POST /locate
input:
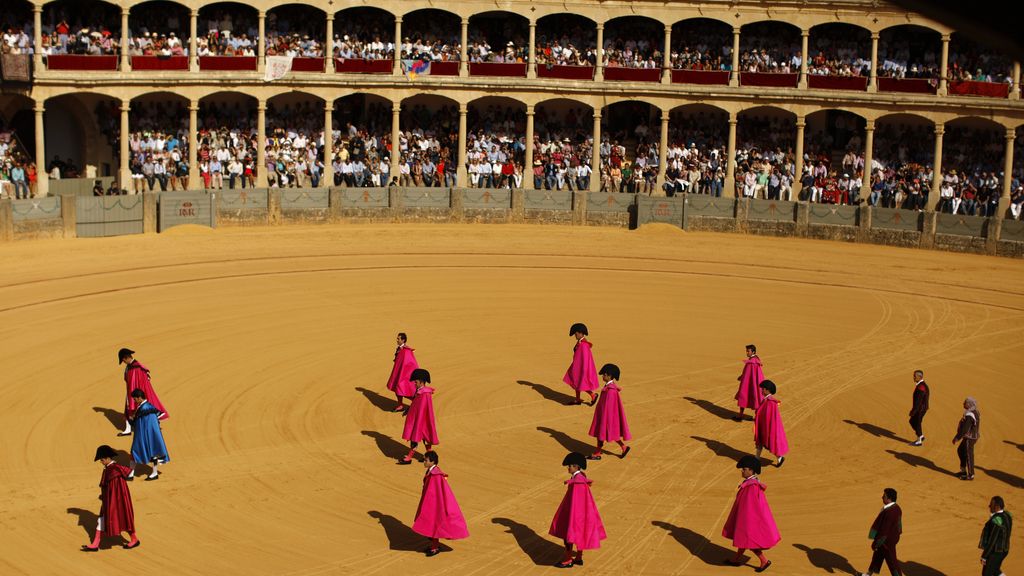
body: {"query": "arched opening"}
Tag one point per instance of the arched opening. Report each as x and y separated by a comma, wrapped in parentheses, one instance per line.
(16, 22)
(909, 51)
(362, 140)
(904, 147)
(158, 142)
(498, 37)
(839, 49)
(81, 135)
(294, 143)
(834, 149)
(772, 47)
(432, 34)
(630, 132)
(972, 164)
(1017, 182)
(701, 44)
(496, 136)
(429, 132)
(295, 30)
(765, 148)
(364, 33)
(698, 136)
(563, 137)
(227, 29)
(970, 60)
(566, 40)
(17, 146)
(634, 42)
(86, 27)
(227, 131)
(158, 28)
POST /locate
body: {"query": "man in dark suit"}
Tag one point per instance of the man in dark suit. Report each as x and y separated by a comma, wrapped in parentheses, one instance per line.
(920, 407)
(885, 534)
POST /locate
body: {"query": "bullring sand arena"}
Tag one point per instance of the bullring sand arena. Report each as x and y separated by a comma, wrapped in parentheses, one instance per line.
(271, 349)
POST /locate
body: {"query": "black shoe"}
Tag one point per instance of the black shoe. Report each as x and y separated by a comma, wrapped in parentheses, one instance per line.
(404, 462)
(90, 549)
(130, 546)
(782, 459)
(733, 562)
(738, 418)
(625, 451)
(763, 568)
(130, 479)
(565, 564)
(432, 552)
(577, 561)
(152, 478)
(594, 457)
(124, 433)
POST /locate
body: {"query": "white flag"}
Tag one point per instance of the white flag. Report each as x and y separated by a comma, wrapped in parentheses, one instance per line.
(277, 67)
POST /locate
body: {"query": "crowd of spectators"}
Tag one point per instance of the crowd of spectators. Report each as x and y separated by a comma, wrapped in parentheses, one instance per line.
(496, 40)
(495, 149)
(566, 41)
(17, 171)
(618, 172)
(908, 53)
(771, 47)
(969, 60)
(634, 44)
(16, 37)
(367, 35)
(362, 147)
(427, 146)
(765, 161)
(435, 39)
(158, 146)
(295, 31)
(562, 149)
(227, 33)
(835, 54)
(701, 45)
(696, 155)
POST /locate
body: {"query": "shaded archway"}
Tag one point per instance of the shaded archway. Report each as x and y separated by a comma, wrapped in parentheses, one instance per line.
(364, 33)
(973, 150)
(698, 137)
(566, 39)
(634, 42)
(496, 134)
(294, 140)
(765, 145)
(902, 162)
(836, 138)
(81, 135)
(90, 27)
(909, 51)
(226, 131)
(630, 134)
(16, 18)
(158, 135)
(362, 140)
(770, 46)
(701, 44)
(158, 28)
(973, 60)
(297, 30)
(498, 37)
(563, 138)
(429, 126)
(433, 34)
(227, 29)
(17, 128)
(839, 49)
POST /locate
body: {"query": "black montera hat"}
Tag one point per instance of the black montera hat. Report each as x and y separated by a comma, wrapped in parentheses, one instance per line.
(578, 327)
(105, 452)
(421, 375)
(750, 461)
(122, 353)
(575, 458)
(768, 385)
(611, 370)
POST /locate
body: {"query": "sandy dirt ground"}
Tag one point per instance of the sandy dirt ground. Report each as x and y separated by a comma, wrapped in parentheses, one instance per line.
(271, 348)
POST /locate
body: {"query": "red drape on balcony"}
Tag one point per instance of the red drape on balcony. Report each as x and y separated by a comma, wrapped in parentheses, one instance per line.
(720, 77)
(307, 64)
(227, 63)
(358, 65)
(496, 69)
(565, 72)
(972, 88)
(159, 62)
(859, 83)
(913, 85)
(81, 62)
(444, 68)
(769, 79)
(618, 73)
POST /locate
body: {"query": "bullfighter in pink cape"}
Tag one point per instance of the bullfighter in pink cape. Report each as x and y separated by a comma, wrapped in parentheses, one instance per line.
(582, 373)
(136, 377)
(609, 424)
(405, 363)
(576, 521)
(768, 430)
(748, 395)
(438, 514)
(419, 419)
(750, 524)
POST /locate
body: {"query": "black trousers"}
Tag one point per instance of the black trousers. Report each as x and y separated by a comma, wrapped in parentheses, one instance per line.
(915, 423)
(994, 564)
(887, 553)
(966, 453)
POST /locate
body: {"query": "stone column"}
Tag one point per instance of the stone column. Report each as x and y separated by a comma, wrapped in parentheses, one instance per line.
(193, 57)
(531, 68)
(1015, 92)
(595, 160)
(933, 196)
(194, 180)
(528, 162)
(873, 79)
(1004, 196)
(944, 66)
(42, 176)
(666, 61)
(460, 173)
(261, 43)
(397, 68)
(804, 36)
(261, 144)
(126, 65)
(734, 78)
(869, 157)
(328, 172)
(730, 157)
(329, 44)
(396, 151)
(124, 161)
(798, 168)
(599, 71)
(37, 37)
(464, 50)
(662, 154)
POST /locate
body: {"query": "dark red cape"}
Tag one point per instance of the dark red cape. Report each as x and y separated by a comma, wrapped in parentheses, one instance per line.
(116, 510)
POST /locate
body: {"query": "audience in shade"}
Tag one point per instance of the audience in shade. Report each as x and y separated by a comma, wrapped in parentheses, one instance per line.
(909, 52)
(835, 55)
(435, 39)
(701, 45)
(696, 155)
(562, 149)
(566, 41)
(771, 47)
(633, 45)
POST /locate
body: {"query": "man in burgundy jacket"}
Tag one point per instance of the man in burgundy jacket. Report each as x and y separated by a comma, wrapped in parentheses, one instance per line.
(885, 534)
(920, 407)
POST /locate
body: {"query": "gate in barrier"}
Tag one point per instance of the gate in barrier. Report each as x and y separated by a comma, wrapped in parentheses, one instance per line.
(177, 208)
(98, 216)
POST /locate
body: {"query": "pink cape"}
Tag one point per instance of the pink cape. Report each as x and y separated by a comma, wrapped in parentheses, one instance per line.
(576, 520)
(582, 374)
(750, 524)
(609, 423)
(419, 420)
(749, 395)
(438, 515)
(768, 430)
(405, 363)
(136, 377)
